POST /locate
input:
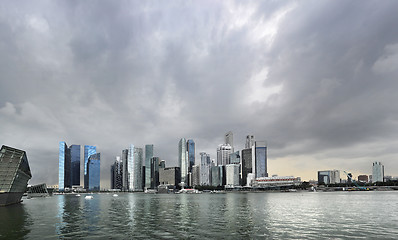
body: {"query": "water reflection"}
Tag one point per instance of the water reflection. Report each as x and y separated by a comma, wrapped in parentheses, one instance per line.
(14, 222)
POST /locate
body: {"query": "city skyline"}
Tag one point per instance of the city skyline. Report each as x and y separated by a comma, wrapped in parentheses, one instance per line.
(316, 80)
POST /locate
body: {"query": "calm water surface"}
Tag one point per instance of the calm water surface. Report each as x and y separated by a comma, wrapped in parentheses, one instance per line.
(301, 215)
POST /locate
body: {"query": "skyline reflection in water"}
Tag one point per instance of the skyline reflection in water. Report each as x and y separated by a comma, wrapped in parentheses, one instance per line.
(180, 216)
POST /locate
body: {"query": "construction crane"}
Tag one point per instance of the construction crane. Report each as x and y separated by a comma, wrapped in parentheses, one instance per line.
(355, 182)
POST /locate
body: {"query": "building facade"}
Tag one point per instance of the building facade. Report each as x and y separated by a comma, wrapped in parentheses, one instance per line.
(134, 168)
(223, 152)
(229, 139)
(117, 174)
(232, 175)
(170, 176)
(329, 177)
(75, 164)
(154, 175)
(64, 167)
(88, 151)
(93, 172)
(377, 172)
(205, 173)
(148, 170)
(246, 158)
(249, 141)
(125, 177)
(260, 159)
(191, 154)
(195, 175)
(183, 160)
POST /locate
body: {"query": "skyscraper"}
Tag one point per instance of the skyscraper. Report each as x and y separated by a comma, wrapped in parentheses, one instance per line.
(229, 139)
(191, 154)
(223, 152)
(88, 151)
(75, 164)
(93, 172)
(378, 172)
(64, 168)
(205, 164)
(148, 170)
(154, 175)
(246, 164)
(260, 159)
(195, 175)
(232, 175)
(135, 159)
(117, 174)
(125, 177)
(183, 160)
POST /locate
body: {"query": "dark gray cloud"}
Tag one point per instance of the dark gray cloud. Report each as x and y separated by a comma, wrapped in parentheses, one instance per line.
(317, 80)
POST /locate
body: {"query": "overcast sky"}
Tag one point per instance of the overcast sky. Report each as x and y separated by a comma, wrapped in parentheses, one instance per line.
(316, 79)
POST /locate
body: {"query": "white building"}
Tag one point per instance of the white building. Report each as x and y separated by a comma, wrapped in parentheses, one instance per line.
(232, 175)
(223, 152)
(183, 160)
(277, 181)
(135, 168)
(378, 172)
(205, 165)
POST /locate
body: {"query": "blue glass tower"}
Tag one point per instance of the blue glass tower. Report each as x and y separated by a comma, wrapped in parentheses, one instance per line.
(88, 151)
(148, 169)
(64, 167)
(191, 154)
(93, 172)
(75, 164)
(261, 159)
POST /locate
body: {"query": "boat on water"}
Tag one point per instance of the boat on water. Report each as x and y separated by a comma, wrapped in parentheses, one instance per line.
(88, 197)
(14, 175)
(115, 195)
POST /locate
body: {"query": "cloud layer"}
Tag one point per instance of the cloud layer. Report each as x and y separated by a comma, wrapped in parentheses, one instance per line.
(317, 80)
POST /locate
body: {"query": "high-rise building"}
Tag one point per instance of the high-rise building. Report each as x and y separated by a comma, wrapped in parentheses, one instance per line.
(260, 159)
(88, 151)
(154, 175)
(217, 176)
(229, 139)
(249, 141)
(329, 177)
(223, 152)
(191, 154)
(148, 170)
(75, 164)
(134, 168)
(125, 177)
(378, 172)
(234, 158)
(93, 172)
(232, 175)
(162, 164)
(205, 164)
(64, 169)
(195, 175)
(247, 166)
(117, 174)
(183, 160)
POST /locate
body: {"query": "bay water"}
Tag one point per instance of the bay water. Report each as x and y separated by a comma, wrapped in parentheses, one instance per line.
(266, 215)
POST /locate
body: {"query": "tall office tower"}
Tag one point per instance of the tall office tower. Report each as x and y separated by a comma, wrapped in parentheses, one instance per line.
(234, 158)
(223, 152)
(154, 175)
(232, 175)
(246, 164)
(378, 172)
(125, 177)
(205, 165)
(93, 172)
(195, 175)
(170, 176)
(249, 141)
(261, 159)
(148, 170)
(64, 169)
(75, 164)
(229, 139)
(217, 176)
(137, 170)
(117, 174)
(191, 154)
(88, 151)
(183, 160)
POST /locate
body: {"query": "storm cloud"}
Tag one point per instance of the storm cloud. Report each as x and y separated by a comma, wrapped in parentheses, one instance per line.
(316, 79)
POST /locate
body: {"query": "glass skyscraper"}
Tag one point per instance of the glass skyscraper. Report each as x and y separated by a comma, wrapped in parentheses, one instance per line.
(148, 170)
(183, 160)
(88, 151)
(191, 154)
(93, 172)
(75, 164)
(261, 159)
(64, 167)
(205, 165)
